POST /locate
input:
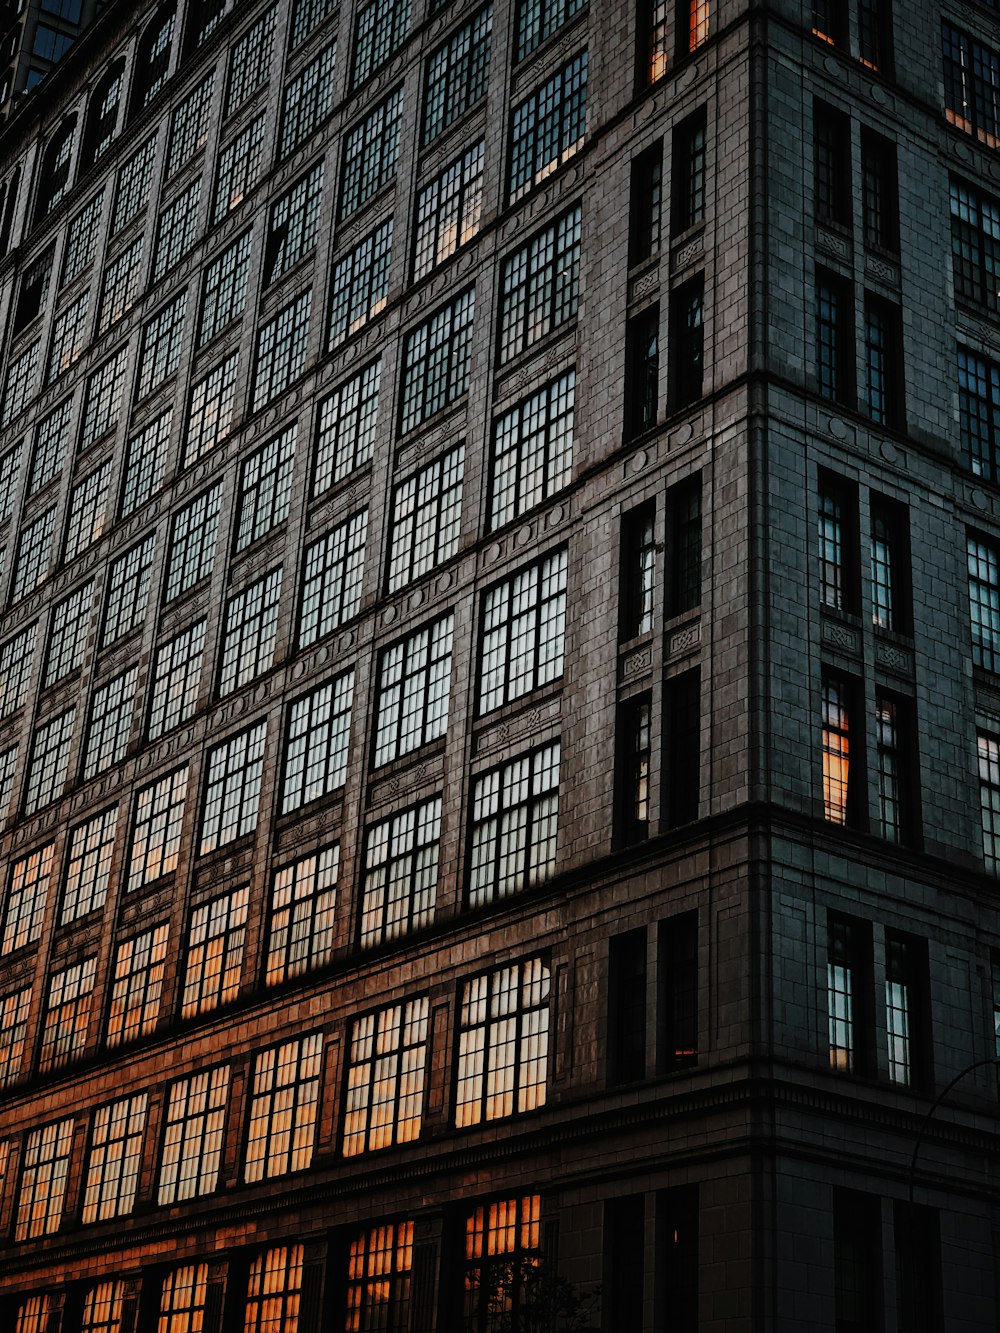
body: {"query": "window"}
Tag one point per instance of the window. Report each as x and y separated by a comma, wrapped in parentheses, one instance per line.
(81, 239)
(634, 755)
(54, 172)
(87, 511)
(848, 959)
(890, 561)
(103, 398)
(857, 1245)
(160, 352)
(88, 870)
(250, 63)
(224, 296)
(692, 26)
(43, 1180)
(457, 74)
(687, 340)
(332, 578)
(128, 591)
(524, 626)
(8, 770)
(624, 1235)
(34, 551)
(33, 290)
(537, 20)
(436, 360)
(240, 166)
(69, 338)
(360, 283)
(294, 224)
(120, 285)
(385, 1077)
(834, 340)
(653, 56)
(16, 657)
(319, 733)
(215, 953)
(979, 414)
(548, 127)
(251, 628)
(192, 543)
(133, 189)
(677, 992)
(681, 774)
(49, 765)
(637, 571)
(833, 195)
(378, 31)
(683, 521)
(503, 1043)
(29, 887)
(68, 635)
(136, 986)
(152, 58)
(114, 1160)
(539, 287)
(32, 1313)
(146, 462)
(975, 247)
(626, 1040)
(893, 730)
(371, 151)
(190, 125)
(533, 450)
(829, 21)
(426, 519)
(232, 791)
(346, 433)
(308, 101)
(212, 409)
(449, 208)
(156, 838)
(284, 1109)
(515, 816)
(265, 489)
(837, 543)
(984, 602)
(642, 372)
(880, 193)
(203, 22)
(281, 350)
(67, 1014)
(989, 795)
(184, 1300)
(110, 723)
(841, 796)
(971, 80)
(14, 1010)
(176, 230)
(274, 1289)
(379, 1269)
(192, 1145)
(303, 903)
(414, 681)
(883, 366)
(21, 383)
(9, 469)
(401, 870)
(646, 203)
(501, 1253)
(677, 1256)
(307, 15)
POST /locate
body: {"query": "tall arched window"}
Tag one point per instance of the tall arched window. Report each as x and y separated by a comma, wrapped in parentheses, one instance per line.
(102, 113)
(53, 177)
(152, 61)
(203, 18)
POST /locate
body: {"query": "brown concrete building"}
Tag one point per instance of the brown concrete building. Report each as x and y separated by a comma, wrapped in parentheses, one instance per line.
(500, 668)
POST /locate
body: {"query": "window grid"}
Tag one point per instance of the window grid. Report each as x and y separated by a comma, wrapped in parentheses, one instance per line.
(21, 383)
(103, 398)
(524, 626)
(68, 637)
(449, 209)
(284, 1109)
(307, 102)
(360, 283)
(120, 285)
(67, 1015)
(332, 578)
(841, 982)
(979, 414)
(274, 1291)
(16, 656)
(103, 1307)
(115, 1159)
(146, 462)
(371, 151)
(14, 1010)
(281, 350)
(88, 870)
(26, 897)
(989, 799)
(503, 1043)
(319, 733)
(161, 346)
(69, 338)
(533, 450)
(9, 468)
(232, 791)
(190, 126)
(457, 74)
(250, 632)
(49, 766)
(540, 286)
(251, 61)
(192, 543)
(385, 1077)
(887, 735)
(133, 189)
(975, 245)
(88, 511)
(984, 602)
(379, 1270)
(176, 678)
(436, 360)
(971, 83)
(345, 436)
(128, 591)
(548, 126)
(241, 164)
(265, 489)
(515, 816)
(401, 871)
(537, 20)
(215, 953)
(43, 1180)
(307, 15)
(898, 1002)
(192, 1146)
(183, 1300)
(212, 409)
(414, 683)
(379, 30)
(303, 904)
(836, 752)
(176, 230)
(110, 723)
(33, 1312)
(81, 239)
(156, 837)
(294, 224)
(225, 293)
(136, 986)
(501, 1250)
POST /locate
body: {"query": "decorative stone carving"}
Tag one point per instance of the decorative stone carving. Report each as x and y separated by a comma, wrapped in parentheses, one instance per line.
(685, 639)
(842, 637)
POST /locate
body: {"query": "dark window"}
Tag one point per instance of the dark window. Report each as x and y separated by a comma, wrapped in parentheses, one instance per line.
(448, 210)
(203, 19)
(646, 203)
(380, 28)
(975, 245)
(837, 536)
(642, 371)
(832, 165)
(829, 21)
(33, 290)
(875, 35)
(548, 126)
(848, 1001)
(879, 192)
(371, 153)
(102, 112)
(624, 1247)
(884, 363)
(677, 993)
(687, 177)
(637, 571)
(307, 15)
(971, 86)
(682, 747)
(307, 102)
(834, 337)
(540, 285)
(857, 1245)
(626, 1043)
(436, 360)
(152, 58)
(251, 60)
(896, 752)
(918, 1268)
(842, 752)
(633, 756)
(687, 342)
(677, 1247)
(890, 565)
(907, 1013)
(995, 995)
(683, 590)
(53, 177)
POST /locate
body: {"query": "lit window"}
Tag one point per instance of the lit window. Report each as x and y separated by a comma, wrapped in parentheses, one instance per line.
(654, 40)
(294, 224)
(515, 816)
(274, 1292)
(34, 554)
(184, 1299)
(449, 209)
(385, 1077)
(176, 678)
(110, 723)
(44, 1174)
(539, 287)
(426, 518)
(501, 1252)
(371, 152)
(88, 505)
(136, 986)
(192, 1145)
(103, 1308)
(319, 733)
(190, 125)
(251, 627)
(457, 74)
(281, 350)
(524, 626)
(331, 579)
(160, 349)
(114, 1160)
(240, 166)
(212, 409)
(346, 434)
(32, 1313)
(176, 230)
(836, 752)
(436, 360)
(303, 904)
(156, 840)
(251, 63)
(128, 591)
(232, 791)
(265, 489)
(88, 870)
(49, 765)
(400, 874)
(67, 1014)
(379, 1279)
(532, 450)
(413, 687)
(133, 190)
(192, 543)
(379, 29)
(503, 1043)
(307, 101)
(284, 1109)
(14, 1010)
(16, 656)
(360, 284)
(224, 296)
(548, 126)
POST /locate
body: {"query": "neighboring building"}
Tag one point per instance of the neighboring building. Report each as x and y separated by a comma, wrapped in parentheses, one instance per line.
(500, 668)
(34, 36)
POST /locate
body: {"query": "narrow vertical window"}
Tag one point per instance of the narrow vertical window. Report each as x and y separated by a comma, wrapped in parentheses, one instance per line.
(837, 543)
(883, 363)
(682, 747)
(839, 782)
(984, 602)
(677, 1255)
(687, 342)
(920, 1306)
(829, 21)
(989, 799)
(687, 176)
(692, 26)
(646, 203)
(379, 1270)
(834, 340)
(857, 1245)
(899, 1007)
(879, 192)
(995, 995)
(642, 371)
(847, 953)
(626, 1042)
(501, 1253)
(683, 591)
(637, 571)
(653, 49)
(624, 1255)
(832, 195)
(634, 764)
(897, 775)
(890, 561)
(677, 993)
(875, 35)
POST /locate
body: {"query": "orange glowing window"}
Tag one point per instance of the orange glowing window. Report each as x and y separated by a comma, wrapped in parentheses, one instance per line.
(501, 1249)
(379, 1279)
(836, 752)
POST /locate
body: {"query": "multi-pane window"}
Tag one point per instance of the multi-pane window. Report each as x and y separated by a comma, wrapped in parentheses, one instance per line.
(975, 245)
(14, 1009)
(184, 1300)
(146, 462)
(192, 543)
(22, 380)
(33, 290)
(265, 489)
(687, 193)
(120, 285)
(646, 204)
(331, 579)
(449, 210)
(250, 63)
(426, 518)
(190, 126)
(8, 771)
(829, 21)
(880, 192)
(215, 953)
(548, 127)
(524, 626)
(240, 165)
(156, 838)
(294, 224)
(128, 591)
(883, 371)
(68, 636)
(307, 102)
(232, 792)
(379, 1269)
(832, 196)
(49, 765)
(692, 25)
(436, 360)
(501, 1252)
(153, 58)
(414, 683)
(133, 190)
(160, 350)
(634, 754)
(401, 871)
(537, 20)
(136, 986)
(834, 343)
(88, 504)
(971, 85)
(687, 342)
(899, 1006)
(69, 337)
(371, 152)
(281, 350)
(213, 407)
(67, 1014)
(319, 732)
(114, 1159)
(979, 414)
(539, 289)
(81, 239)
(274, 1290)
(88, 870)
(345, 436)
(457, 74)
(33, 1312)
(385, 1077)
(379, 30)
(103, 1308)
(176, 230)
(284, 1108)
(889, 547)
(307, 15)
(251, 628)
(103, 398)
(532, 450)
(890, 724)
(515, 817)
(303, 903)
(503, 1043)
(836, 732)
(360, 284)
(844, 992)
(10, 464)
(110, 723)
(984, 602)
(225, 293)
(989, 798)
(16, 656)
(44, 1175)
(193, 1141)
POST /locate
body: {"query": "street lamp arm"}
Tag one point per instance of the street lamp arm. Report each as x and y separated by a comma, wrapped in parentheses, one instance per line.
(976, 1064)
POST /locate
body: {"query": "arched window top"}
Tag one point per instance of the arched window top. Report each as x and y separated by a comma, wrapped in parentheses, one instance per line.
(152, 61)
(204, 16)
(54, 175)
(103, 111)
